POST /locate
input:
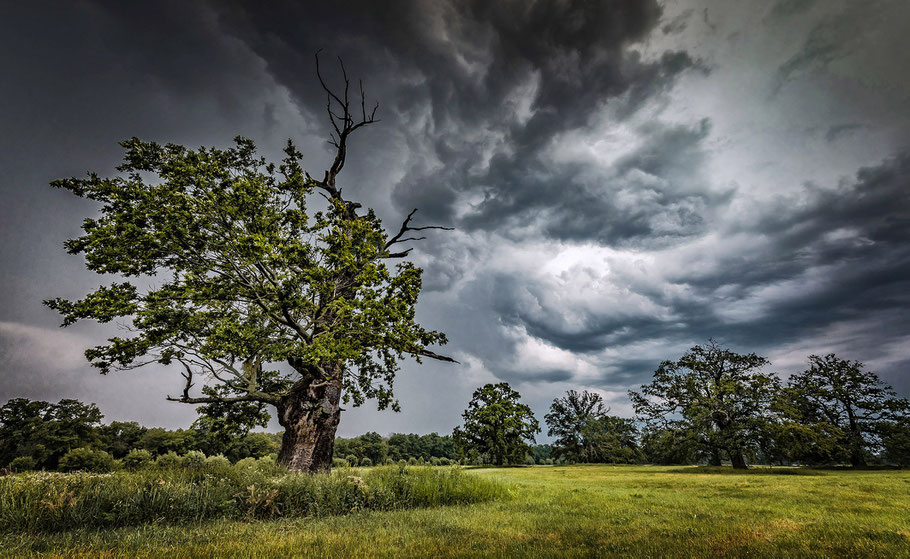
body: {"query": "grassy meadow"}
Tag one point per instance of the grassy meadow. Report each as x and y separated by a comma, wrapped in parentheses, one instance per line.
(570, 511)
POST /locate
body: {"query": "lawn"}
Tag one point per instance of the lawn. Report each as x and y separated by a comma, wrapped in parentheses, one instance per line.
(642, 511)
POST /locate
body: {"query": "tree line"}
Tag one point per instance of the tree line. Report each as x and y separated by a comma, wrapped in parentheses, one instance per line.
(709, 406)
(69, 434)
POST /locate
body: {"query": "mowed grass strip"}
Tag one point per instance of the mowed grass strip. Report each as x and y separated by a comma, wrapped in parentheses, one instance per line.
(575, 511)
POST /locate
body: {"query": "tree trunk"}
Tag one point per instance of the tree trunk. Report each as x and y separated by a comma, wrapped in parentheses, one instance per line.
(739, 463)
(310, 418)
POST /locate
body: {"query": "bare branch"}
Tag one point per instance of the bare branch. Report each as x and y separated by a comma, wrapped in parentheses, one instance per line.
(406, 226)
(431, 355)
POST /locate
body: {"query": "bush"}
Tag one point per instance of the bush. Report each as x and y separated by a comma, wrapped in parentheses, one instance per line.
(23, 464)
(169, 460)
(53, 501)
(217, 461)
(194, 459)
(339, 463)
(444, 462)
(366, 462)
(137, 458)
(412, 461)
(87, 460)
(351, 459)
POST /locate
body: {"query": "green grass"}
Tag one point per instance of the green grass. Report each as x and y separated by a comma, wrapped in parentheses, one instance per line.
(577, 511)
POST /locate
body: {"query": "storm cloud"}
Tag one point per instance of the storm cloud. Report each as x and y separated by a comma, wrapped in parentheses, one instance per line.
(626, 178)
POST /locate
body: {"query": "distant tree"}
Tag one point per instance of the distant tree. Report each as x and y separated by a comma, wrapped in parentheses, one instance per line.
(614, 440)
(271, 302)
(857, 402)
(46, 431)
(896, 442)
(586, 433)
(542, 453)
(497, 425)
(120, 437)
(571, 420)
(720, 398)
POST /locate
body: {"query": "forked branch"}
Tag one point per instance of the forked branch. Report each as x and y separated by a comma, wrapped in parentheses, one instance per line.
(338, 107)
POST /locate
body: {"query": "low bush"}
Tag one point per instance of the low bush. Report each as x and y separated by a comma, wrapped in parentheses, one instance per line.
(23, 464)
(366, 462)
(46, 501)
(339, 463)
(86, 460)
(137, 458)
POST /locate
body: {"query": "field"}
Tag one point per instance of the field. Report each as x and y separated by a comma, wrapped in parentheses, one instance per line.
(572, 511)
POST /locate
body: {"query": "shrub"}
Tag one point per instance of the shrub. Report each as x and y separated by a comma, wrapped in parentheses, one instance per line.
(194, 459)
(351, 459)
(339, 463)
(23, 464)
(444, 461)
(169, 460)
(366, 462)
(137, 458)
(87, 460)
(412, 461)
(217, 461)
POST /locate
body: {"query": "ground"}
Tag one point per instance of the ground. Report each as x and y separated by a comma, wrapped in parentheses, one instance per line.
(572, 511)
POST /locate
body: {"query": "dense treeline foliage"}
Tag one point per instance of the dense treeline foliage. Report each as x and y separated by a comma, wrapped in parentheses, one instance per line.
(69, 435)
(709, 406)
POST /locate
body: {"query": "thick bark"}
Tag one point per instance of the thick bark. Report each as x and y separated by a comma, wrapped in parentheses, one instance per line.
(310, 416)
(739, 463)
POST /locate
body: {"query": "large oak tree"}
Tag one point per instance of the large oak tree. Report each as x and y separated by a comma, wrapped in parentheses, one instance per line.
(717, 397)
(257, 298)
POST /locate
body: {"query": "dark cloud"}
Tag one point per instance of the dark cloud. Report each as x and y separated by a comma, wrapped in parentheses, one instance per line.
(576, 146)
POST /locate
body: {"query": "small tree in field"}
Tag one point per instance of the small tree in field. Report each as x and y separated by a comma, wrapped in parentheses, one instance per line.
(269, 302)
(497, 425)
(718, 397)
(857, 402)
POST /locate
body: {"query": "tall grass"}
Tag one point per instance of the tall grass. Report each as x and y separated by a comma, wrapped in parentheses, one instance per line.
(53, 501)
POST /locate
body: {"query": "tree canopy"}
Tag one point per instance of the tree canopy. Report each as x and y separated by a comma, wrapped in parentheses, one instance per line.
(856, 404)
(497, 426)
(718, 397)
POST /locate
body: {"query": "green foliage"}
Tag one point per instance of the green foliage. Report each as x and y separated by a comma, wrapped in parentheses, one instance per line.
(718, 397)
(340, 463)
(585, 433)
(86, 460)
(169, 461)
(351, 459)
(194, 459)
(896, 440)
(45, 431)
(23, 464)
(137, 458)
(120, 437)
(497, 426)
(252, 277)
(366, 463)
(217, 461)
(839, 393)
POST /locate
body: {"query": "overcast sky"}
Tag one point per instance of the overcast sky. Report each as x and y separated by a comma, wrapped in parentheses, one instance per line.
(626, 178)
